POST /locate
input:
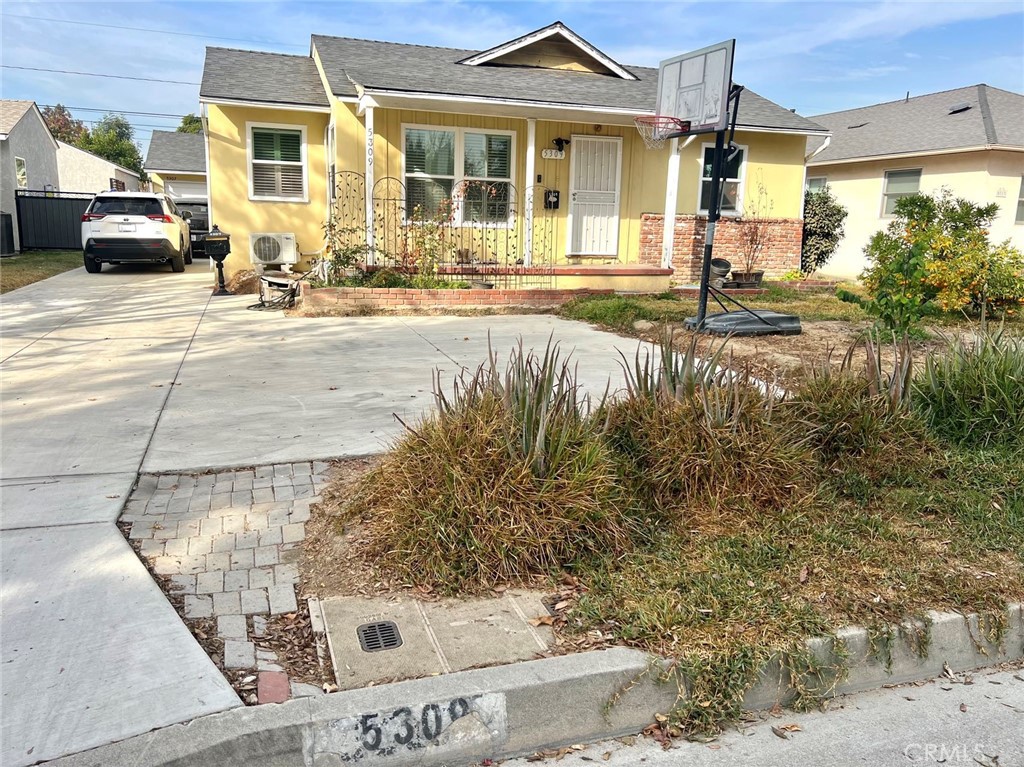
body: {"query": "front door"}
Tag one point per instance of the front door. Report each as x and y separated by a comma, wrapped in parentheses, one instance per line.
(595, 172)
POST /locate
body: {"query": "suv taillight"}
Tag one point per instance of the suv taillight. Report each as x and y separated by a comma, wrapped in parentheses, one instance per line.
(93, 216)
(163, 219)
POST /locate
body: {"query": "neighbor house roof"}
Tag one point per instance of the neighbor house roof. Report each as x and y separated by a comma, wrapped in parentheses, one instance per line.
(352, 65)
(238, 75)
(11, 113)
(181, 152)
(975, 116)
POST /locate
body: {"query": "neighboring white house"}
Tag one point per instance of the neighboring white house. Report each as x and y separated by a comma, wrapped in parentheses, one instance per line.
(969, 140)
(28, 155)
(82, 171)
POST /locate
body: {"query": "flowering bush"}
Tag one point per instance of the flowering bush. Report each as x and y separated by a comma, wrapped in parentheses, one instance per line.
(936, 253)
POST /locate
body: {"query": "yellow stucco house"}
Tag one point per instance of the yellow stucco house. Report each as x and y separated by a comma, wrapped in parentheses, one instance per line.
(526, 153)
(968, 140)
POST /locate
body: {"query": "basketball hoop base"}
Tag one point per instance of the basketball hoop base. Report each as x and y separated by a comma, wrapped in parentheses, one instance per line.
(759, 322)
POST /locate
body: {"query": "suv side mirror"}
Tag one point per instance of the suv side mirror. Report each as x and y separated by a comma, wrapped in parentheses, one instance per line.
(186, 214)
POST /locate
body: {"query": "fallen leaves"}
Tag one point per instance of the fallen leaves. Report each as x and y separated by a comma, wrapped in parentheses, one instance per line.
(784, 730)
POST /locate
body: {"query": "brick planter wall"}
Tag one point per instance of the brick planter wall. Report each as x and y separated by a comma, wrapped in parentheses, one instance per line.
(809, 286)
(688, 245)
(373, 300)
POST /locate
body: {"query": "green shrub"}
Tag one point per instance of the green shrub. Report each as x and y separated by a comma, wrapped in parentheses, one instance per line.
(973, 393)
(509, 478)
(823, 229)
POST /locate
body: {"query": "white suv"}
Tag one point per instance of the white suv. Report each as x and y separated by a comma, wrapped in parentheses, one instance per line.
(136, 227)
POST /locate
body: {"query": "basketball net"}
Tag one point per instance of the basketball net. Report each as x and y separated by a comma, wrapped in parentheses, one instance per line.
(657, 129)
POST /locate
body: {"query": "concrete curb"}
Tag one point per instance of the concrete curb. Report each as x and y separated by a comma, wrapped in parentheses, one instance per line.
(512, 710)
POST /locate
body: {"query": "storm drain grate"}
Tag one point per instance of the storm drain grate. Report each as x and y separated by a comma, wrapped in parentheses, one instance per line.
(383, 635)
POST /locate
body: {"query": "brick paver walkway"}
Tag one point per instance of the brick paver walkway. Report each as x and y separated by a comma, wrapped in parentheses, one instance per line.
(230, 542)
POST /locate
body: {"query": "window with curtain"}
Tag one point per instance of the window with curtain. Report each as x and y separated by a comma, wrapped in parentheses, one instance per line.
(731, 184)
(816, 183)
(899, 183)
(278, 170)
(476, 164)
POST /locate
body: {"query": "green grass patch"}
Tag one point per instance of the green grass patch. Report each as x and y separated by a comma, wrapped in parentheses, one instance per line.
(35, 265)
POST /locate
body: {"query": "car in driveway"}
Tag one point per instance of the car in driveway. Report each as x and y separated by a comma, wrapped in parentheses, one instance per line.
(198, 209)
(137, 228)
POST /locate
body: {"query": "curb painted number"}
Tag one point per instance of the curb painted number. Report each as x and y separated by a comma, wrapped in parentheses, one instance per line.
(375, 736)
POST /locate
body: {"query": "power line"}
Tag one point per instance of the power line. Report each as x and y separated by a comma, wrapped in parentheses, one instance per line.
(110, 111)
(155, 31)
(97, 74)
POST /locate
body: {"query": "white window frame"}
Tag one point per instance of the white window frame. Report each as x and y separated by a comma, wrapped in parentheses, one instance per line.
(740, 181)
(807, 186)
(885, 184)
(1018, 217)
(460, 167)
(24, 165)
(253, 197)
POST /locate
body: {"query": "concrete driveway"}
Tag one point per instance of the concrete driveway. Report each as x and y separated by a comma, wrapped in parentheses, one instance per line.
(104, 376)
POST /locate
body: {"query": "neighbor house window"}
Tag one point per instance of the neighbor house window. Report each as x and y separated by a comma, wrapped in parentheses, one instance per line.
(1020, 203)
(473, 165)
(277, 168)
(733, 184)
(816, 183)
(21, 172)
(899, 183)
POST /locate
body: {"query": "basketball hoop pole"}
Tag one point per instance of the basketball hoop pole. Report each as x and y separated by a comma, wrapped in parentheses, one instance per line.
(715, 206)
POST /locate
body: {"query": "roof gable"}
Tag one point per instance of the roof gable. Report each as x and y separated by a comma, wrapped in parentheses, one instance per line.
(12, 112)
(962, 118)
(174, 151)
(552, 47)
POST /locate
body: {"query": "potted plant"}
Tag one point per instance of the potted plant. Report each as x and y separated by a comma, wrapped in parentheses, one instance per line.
(756, 235)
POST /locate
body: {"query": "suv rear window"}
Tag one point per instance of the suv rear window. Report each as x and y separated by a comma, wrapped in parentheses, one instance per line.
(195, 208)
(129, 206)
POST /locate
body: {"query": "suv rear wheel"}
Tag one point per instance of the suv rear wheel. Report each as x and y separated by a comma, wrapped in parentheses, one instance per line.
(188, 254)
(92, 266)
(178, 259)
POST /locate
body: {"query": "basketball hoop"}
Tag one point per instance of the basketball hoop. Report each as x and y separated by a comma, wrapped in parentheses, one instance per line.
(657, 129)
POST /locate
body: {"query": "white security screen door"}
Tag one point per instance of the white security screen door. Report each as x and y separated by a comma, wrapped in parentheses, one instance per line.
(595, 173)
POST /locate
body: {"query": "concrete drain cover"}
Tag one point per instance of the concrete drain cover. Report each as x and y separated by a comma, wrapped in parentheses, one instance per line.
(382, 635)
(436, 637)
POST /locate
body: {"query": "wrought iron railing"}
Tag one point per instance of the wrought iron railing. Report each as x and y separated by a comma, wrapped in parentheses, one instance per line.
(478, 231)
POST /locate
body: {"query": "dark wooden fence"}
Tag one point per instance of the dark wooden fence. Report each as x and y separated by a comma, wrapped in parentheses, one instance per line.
(50, 220)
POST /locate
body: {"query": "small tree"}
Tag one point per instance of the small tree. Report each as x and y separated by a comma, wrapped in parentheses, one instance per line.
(936, 250)
(190, 123)
(823, 229)
(113, 138)
(63, 126)
(756, 233)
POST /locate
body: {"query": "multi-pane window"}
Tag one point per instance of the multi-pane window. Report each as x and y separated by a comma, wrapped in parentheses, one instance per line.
(816, 183)
(278, 168)
(474, 167)
(899, 183)
(21, 172)
(1020, 203)
(731, 186)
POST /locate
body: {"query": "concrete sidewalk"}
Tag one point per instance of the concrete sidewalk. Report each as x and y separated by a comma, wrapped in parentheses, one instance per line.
(137, 369)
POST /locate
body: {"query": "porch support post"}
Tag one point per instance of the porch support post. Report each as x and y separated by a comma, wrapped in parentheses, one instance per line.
(531, 171)
(668, 235)
(368, 117)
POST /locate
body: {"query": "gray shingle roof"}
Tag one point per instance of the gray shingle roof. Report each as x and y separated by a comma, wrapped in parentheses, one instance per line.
(923, 124)
(181, 152)
(11, 113)
(256, 76)
(423, 69)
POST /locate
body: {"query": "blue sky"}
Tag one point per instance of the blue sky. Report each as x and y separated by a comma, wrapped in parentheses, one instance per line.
(810, 56)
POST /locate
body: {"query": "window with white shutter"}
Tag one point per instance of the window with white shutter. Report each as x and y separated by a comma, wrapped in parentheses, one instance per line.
(278, 164)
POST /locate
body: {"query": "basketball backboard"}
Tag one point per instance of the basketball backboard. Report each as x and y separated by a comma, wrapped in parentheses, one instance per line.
(694, 87)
